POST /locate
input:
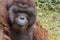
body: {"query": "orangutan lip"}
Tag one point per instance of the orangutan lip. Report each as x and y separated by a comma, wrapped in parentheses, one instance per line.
(19, 25)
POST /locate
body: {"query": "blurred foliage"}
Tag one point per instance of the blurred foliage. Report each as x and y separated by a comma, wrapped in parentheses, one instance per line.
(48, 13)
(48, 4)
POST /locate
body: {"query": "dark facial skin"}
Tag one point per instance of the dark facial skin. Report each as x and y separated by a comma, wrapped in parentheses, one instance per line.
(30, 11)
(22, 19)
(20, 24)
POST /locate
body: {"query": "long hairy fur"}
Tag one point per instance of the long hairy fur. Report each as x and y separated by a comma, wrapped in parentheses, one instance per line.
(39, 32)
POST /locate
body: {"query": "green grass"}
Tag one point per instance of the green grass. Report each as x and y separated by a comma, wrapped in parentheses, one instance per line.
(50, 20)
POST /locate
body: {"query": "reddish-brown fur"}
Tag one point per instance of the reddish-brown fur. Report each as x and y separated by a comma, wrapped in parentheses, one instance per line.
(3, 24)
(39, 32)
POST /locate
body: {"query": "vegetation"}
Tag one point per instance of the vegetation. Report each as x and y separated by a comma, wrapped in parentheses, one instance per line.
(48, 13)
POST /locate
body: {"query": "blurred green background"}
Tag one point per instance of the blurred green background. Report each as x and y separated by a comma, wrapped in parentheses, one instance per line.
(48, 13)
